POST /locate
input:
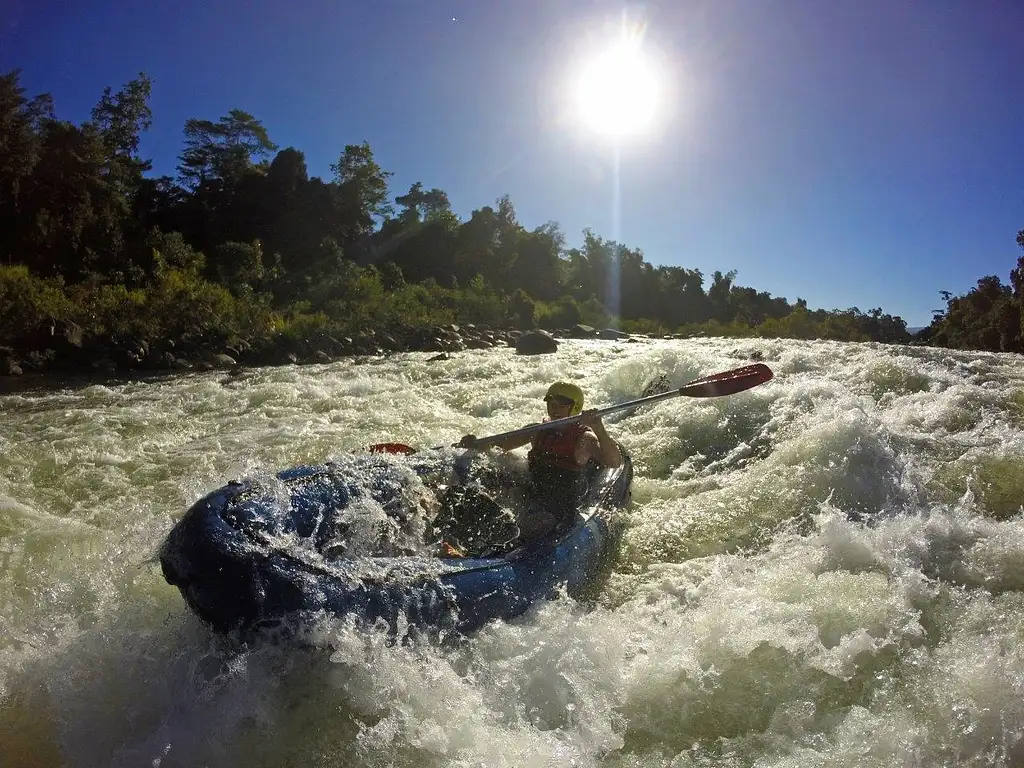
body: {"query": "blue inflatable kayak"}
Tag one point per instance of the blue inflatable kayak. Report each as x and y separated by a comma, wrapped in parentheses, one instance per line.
(259, 554)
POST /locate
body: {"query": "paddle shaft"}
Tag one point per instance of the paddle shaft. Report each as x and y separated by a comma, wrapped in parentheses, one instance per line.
(716, 385)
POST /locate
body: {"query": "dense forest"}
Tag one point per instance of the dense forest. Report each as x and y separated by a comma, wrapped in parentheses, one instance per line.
(243, 250)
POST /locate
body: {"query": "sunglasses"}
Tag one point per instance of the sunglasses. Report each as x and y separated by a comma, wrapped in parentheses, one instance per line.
(559, 400)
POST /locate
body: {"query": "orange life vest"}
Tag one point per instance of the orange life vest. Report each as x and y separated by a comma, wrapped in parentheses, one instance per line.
(556, 478)
(556, 448)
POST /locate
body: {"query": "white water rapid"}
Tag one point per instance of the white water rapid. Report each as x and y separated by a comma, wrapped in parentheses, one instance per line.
(826, 570)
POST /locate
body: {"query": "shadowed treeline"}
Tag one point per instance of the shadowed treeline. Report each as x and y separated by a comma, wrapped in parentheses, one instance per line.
(244, 248)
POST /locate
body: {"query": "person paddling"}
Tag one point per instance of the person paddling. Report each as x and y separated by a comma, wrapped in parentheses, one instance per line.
(557, 460)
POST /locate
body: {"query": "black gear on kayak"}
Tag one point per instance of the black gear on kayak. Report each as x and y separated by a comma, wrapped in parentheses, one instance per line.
(473, 522)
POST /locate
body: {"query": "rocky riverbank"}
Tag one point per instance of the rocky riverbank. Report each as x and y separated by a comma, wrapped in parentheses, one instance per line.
(62, 348)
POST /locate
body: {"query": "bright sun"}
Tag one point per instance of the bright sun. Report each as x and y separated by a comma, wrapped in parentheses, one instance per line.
(618, 92)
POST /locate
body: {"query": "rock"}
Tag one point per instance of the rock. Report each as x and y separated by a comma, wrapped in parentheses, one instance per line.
(238, 349)
(536, 343)
(744, 354)
(39, 361)
(612, 334)
(71, 333)
(390, 343)
(581, 331)
(221, 361)
(433, 345)
(657, 386)
(62, 335)
(9, 367)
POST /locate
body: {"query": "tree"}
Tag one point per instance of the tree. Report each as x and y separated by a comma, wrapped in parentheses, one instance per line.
(121, 117)
(421, 205)
(522, 309)
(536, 268)
(286, 220)
(719, 293)
(679, 297)
(362, 191)
(239, 265)
(1017, 273)
(222, 151)
(476, 245)
(21, 126)
(72, 210)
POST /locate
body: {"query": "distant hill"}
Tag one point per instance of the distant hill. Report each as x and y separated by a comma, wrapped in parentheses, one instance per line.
(916, 329)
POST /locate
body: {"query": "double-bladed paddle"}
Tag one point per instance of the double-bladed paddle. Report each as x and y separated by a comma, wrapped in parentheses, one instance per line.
(715, 385)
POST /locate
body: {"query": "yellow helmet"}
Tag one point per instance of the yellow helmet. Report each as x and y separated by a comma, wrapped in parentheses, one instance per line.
(568, 391)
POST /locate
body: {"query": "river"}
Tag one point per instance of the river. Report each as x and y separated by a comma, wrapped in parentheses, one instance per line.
(825, 570)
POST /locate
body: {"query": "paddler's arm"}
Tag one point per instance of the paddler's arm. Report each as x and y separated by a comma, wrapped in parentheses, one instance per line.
(607, 450)
(508, 444)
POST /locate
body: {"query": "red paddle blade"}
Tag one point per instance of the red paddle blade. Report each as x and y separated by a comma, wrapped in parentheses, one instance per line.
(400, 448)
(728, 382)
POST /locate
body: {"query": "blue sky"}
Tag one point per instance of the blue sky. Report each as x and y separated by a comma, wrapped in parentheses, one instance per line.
(863, 153)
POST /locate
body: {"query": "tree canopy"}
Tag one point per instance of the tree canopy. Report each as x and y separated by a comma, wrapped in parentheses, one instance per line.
(81, 218)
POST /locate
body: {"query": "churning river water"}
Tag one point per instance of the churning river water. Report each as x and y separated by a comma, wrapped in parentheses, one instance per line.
(826, 570)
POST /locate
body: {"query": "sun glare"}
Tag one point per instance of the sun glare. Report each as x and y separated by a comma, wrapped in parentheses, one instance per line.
(618, 91)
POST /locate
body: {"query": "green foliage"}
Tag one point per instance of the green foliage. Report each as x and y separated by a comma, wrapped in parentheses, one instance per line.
(350, 295)
(106, 311)
(301, 324)
(170, 251)
(644, 325)
(521, 309)
(798, 324)
(563, 313)
(27, 302)
(240, 265)
(391, 276)
(186, 307)
(176, 305)
(592, 312)
(477, 303)
(715, 328)
(418, 305)
(986, 317)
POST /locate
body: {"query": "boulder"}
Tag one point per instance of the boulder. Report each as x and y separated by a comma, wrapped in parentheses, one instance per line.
(536, 343)
(581, 331)
(221, 361)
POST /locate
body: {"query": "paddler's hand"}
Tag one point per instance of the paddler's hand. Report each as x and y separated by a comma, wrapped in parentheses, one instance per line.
(591, 418)
(468, 441)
